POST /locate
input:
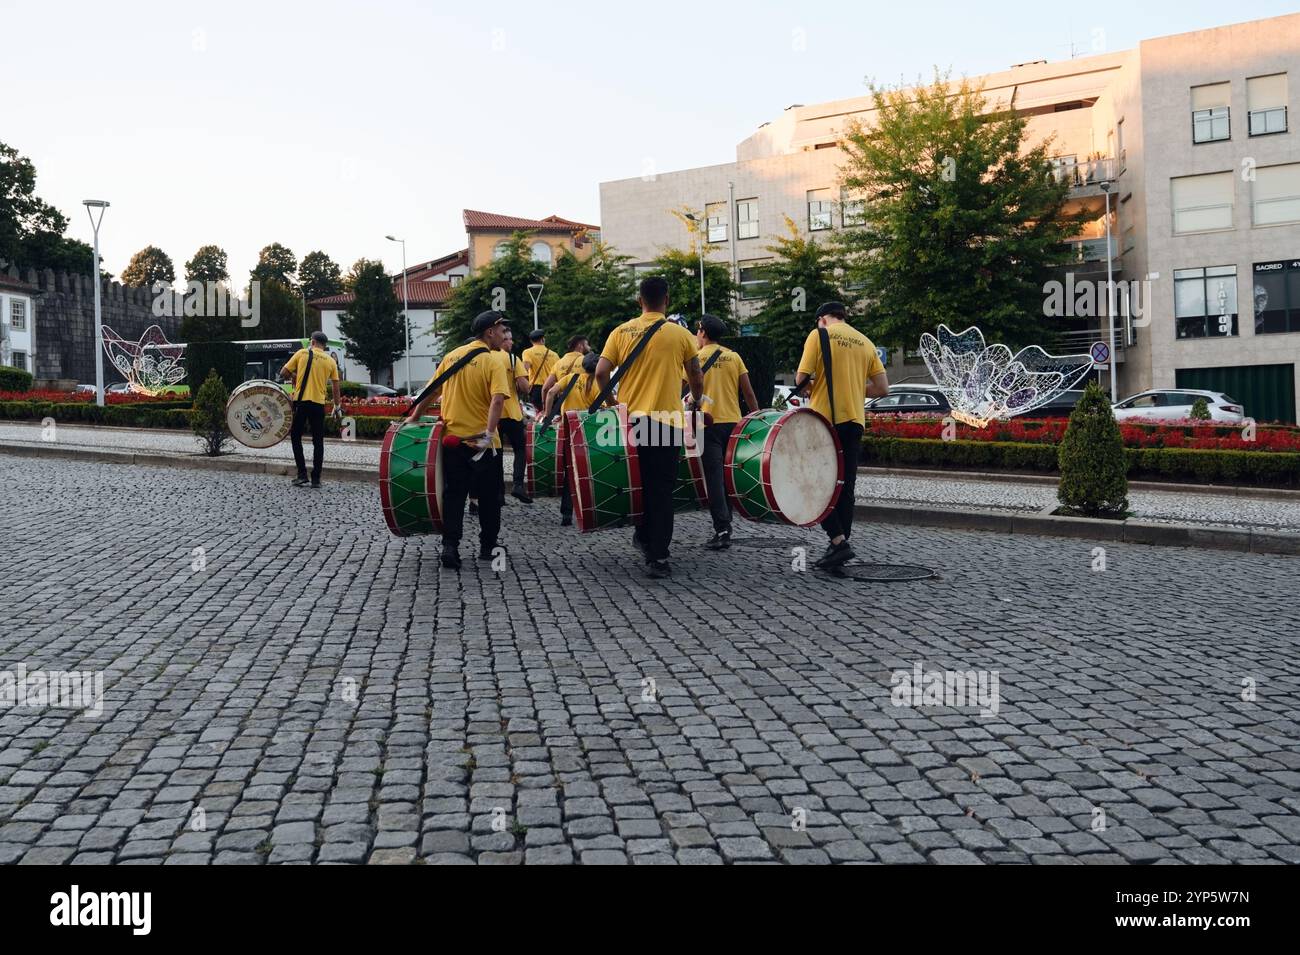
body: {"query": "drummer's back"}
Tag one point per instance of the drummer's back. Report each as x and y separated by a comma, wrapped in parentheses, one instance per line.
(652, 383)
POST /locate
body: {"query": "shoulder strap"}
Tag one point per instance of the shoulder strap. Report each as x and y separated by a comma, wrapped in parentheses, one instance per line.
(627, 363)
(712, 361)
(827, 363)
(460, 363)
(306, 374)
(546, 354)
(558, 403)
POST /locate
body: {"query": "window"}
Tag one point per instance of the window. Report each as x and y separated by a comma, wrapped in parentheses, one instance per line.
(1275, 194)
(500, 249)
(819, 210)
(1266, 102)
(20, 360)
(1210, 113)
(1202, 203)
(1119, 142)
(18, 314)
(753, 281)
(1277, 297)
(541, 252)
(1205, 302)
(853, 211)
(455, 280)
(747, 219)
(714, 221)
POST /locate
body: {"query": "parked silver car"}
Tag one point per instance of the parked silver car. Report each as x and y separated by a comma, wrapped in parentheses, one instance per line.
(1164, 404)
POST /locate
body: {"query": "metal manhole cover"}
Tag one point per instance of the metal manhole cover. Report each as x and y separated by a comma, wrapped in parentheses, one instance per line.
(773, 542)
(883, 573)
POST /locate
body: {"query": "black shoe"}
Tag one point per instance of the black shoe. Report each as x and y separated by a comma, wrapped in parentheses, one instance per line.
(836, 554)
(521, 496)
(566, 520)
(473, 507)
(300, 481)
(638, 543)
(315, 483)
(720, 540)
(450, 557)
(658, 569)
(487, 553)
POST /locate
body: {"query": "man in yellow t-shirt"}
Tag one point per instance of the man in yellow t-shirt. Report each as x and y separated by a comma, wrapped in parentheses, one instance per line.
(540, 362)
(651, 389)
(726, 380)
(572, 361)
(856, 374)
(472, 402)
(512, 415)
(308, 371)
(579, 390)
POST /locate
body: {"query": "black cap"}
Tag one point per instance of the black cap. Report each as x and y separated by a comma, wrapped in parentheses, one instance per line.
(832, 308)
(320, 338)
(485, 320)
(536, 335)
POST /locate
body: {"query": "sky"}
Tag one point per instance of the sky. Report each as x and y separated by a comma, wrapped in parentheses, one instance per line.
(328, 125)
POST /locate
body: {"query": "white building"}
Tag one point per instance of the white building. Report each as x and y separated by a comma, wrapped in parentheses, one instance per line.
(17, 323)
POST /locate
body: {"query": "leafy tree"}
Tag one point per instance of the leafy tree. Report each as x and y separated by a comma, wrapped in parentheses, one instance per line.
(962, 222)
(209, 264)
(802, 276)
(319, 275)
(359, 267)
(372, 325)
(22, 213)
(148, 266)
(1094, 468)
(275, 263)
(681, 269)
(587, 296)
(208, 416)
(280, 313)
(49, 250)
(502, 285)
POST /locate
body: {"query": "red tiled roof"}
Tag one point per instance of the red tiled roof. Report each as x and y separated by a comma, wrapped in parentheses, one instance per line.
(426, 270)
(420, 295)
(491, 222)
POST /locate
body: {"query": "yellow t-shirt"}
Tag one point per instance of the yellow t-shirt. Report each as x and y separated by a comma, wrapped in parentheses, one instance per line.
(323, 370)
(514, 367)
(583, 394)
(572, 361)
(853, 362)
(722, 384)
(541, 361)
(467, 394)
(653, 383)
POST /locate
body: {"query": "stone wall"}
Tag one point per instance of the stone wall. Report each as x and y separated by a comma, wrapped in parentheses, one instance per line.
(65, 322)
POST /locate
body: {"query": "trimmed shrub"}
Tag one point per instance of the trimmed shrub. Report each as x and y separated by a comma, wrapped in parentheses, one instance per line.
(14, 379)
(1092, 460)
(208, 419)
(352, 389)
(756, 352)
(1200, 410)
(225, 358)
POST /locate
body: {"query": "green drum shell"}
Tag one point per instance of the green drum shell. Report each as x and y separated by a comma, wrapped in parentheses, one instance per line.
(606, 481)
(410, 495)
(747, 466)
(690, 493)
(544, 467)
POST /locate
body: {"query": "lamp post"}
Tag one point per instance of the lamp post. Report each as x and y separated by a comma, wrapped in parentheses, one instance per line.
(535, 293)
(1110, 301)
(699, 227)
(406, 313)
(101, 205)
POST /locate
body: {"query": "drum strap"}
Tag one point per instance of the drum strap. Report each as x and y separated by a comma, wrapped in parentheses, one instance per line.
(627, 363)
(460, 363)
(559, 401)
(306, 375)
(825, 338)
(713, 360)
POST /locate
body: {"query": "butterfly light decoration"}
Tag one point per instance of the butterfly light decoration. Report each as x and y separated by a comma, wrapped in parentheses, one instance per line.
(149, 365)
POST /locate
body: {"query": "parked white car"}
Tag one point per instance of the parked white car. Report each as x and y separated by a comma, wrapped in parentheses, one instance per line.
(1166, 404)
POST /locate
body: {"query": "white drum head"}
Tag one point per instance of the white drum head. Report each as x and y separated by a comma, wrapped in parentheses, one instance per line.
(259, 414)
(803, 468)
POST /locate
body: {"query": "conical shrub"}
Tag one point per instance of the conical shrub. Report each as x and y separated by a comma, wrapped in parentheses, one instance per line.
(208, 418)
(1094, 469)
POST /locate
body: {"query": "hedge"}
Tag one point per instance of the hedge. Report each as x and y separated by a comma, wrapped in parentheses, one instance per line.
(225, 358)
(14, 379)
(1193, 465)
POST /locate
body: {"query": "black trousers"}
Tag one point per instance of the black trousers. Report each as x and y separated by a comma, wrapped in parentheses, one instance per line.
(716, 436)
(657, 452)
(463, 476)
(841, 519)
(308, 414)
(512, 433)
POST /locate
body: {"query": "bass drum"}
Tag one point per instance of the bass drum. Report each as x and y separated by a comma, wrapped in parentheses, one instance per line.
(544, 451)
(605, 469)
(410, 477)
(690, 493)
(259, 414)
(784, 467)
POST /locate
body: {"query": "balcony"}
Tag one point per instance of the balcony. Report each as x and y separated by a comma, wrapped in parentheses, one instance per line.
(1088, 257)
(1084, 178)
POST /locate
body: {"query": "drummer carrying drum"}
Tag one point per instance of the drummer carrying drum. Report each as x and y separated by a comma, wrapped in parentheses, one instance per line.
(307, 371)
(726, 379)
(854, 370)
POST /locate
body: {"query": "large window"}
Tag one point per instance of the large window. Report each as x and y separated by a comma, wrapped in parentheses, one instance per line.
(1266, 99)
(17, 315)
(1275, 195)
(1205, 302)
(1202, 203)
(716, 223)
(747, 219)
(753, 280)
(1210, 120)
(819, 210)
(500, 249)
(1277, 297)
(541, 252)
(853, 211)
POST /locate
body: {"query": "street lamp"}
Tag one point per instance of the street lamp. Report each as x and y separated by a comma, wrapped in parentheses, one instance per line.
(101, 205)
(1110, 300)
(535, 293)
(406, 314)
(700, 229)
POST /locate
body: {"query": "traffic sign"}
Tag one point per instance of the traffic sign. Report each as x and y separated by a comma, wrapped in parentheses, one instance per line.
(1100, 352)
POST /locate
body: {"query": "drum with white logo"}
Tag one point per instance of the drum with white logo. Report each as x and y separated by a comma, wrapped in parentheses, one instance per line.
(259, 414)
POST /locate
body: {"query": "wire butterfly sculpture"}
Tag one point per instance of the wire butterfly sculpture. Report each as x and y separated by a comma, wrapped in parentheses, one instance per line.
(149, 365)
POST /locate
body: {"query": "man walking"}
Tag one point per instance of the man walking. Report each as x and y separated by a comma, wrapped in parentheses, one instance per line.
(571, 361)
(651, 388)
(512, 415)
(540, 362)
(854, 372)
(726, 379)
(308, 371)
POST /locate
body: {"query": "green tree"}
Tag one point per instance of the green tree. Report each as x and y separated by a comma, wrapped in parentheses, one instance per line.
(280, 313)
(275, 263)
(588, 296)
(49, 250)
(681, 269)
(22, 213)
(962, 222)
(1094, 468)
(502, 285)
(373, 323)
(208, 416)
(319, 275)
(803, 275)
(147, 267)
(210, 264)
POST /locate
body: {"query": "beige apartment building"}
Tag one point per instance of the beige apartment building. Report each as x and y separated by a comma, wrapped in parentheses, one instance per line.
(1188, 138)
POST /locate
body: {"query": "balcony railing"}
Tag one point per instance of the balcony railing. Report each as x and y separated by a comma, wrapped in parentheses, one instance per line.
(1088, 250)
(1087, 174)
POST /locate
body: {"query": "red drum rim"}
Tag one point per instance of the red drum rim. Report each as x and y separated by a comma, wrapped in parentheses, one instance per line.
(385, 498)
(431, 475)
(696, 465)
(766, 475)
(580, 493)
(529, 437)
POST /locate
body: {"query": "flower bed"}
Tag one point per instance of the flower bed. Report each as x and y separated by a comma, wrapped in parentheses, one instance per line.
(83, 397)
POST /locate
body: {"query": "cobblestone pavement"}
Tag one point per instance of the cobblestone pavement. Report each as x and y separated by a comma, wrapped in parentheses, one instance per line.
(309, 688)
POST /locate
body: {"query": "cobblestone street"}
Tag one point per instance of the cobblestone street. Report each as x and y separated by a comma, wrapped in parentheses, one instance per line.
(308, 688)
